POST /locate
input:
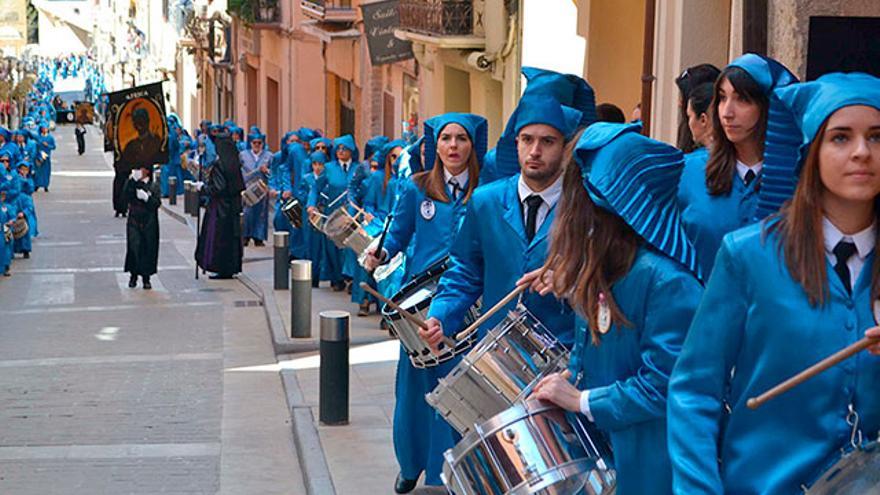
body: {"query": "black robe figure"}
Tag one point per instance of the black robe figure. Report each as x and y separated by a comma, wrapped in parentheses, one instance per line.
(142, 227)
(80, 138)
(219, 249)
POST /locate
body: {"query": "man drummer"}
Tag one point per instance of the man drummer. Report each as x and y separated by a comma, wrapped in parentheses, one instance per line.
(504, 233)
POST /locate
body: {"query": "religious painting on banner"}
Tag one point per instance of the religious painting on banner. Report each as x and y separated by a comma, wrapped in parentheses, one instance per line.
(137, 126)
(380, 21)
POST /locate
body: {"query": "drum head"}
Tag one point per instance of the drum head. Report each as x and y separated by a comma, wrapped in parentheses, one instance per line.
(857, 473)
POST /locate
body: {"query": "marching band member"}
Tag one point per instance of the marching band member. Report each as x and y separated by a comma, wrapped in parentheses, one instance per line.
(427, 218)
(8, 214)
(337, 178)
(379, 193)
(43, 162)
(619, 255)
(720, 194)
(687, 82)
(255, 166)
(25, 205)
(504, 233)
(314, 238)
(568, 89)
(699, 121)
(784, 294)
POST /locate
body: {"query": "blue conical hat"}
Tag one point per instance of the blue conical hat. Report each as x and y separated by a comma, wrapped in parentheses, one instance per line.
(636, 178)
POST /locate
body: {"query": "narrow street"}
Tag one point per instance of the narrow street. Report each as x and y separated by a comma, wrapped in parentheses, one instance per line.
(108, 389)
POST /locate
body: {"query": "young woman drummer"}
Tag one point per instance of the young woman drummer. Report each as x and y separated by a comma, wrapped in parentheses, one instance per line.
(719, 194)
(632, 283)
(427, 217)
(784, 294)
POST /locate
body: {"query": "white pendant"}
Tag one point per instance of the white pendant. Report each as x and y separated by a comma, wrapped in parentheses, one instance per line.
(876, 309)
(604, 315)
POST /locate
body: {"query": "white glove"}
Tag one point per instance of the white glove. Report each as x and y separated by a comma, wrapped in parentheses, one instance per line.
(142, 195)
(135, 174)
(199, 185)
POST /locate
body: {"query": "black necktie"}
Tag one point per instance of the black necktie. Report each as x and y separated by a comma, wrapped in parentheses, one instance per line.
(844, 251)
(533, 202)
(345, 168)
(453, 183)
(750, 176)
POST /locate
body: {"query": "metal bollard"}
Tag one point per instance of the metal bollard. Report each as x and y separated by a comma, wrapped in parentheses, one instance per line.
(282, 254)
(193, 199)
(333, 375)
(187, 197)
(300, 298)
(172, 190)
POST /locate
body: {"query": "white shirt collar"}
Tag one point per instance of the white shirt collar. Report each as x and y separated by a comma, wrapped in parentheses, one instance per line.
(742, 169)
(550, 195)
(461, 178)
(863, 240)
(345, 164)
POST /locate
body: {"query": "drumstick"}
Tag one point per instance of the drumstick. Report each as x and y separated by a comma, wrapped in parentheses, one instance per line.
(415, 320)
(832, 360)
(381, 244)
(488, 314)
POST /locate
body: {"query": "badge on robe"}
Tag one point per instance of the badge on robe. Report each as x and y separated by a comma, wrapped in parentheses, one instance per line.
(428, 210)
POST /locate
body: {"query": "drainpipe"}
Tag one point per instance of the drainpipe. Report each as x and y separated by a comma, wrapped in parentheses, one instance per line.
(648, 67)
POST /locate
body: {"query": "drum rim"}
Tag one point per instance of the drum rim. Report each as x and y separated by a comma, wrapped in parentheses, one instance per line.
(548, 478)
(416, 282)
(821, 481)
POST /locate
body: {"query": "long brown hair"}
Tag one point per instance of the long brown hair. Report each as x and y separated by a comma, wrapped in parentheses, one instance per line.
(434, 181)
(801, 236)
(590, 249)
(720, 169)
(389, 168)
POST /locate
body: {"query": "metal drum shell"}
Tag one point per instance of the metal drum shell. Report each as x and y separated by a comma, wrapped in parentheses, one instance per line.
(490, 461)
(338, 226)
(419, 353)
(292, 209)
(20, 228)
(499, 371)
(855, 473)
(254, 193)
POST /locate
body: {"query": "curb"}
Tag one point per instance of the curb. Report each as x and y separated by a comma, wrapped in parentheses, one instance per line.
(312, 463)
(306, 440)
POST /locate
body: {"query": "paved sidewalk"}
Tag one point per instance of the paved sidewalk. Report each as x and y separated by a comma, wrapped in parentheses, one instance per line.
(107, 389)
(350, 460)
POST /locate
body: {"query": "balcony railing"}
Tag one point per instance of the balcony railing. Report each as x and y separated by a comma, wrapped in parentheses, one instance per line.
(266, 11)
(329, 11)
(438, 17)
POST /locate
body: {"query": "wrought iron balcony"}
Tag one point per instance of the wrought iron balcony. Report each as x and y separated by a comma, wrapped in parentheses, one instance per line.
(267, 12)
(440, 18)
(329, 10)
(258, 13)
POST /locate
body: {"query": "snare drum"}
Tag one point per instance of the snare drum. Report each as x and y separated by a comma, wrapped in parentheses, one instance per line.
(499, 372)
(533, 447)
(338, 226)
(416, 297)
(19, 228)
(254, 193)
(7, 233)
(856, 473)
(292, 209)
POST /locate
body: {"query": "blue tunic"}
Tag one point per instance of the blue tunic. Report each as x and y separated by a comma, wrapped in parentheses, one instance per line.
(172, 168)
(628, 372)
(256, 217)
(43, 172)
(25, 204)
(489, 256)
(333, 183)
(707, 218)
(420, 434)
(7, 214)
(756, 324)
